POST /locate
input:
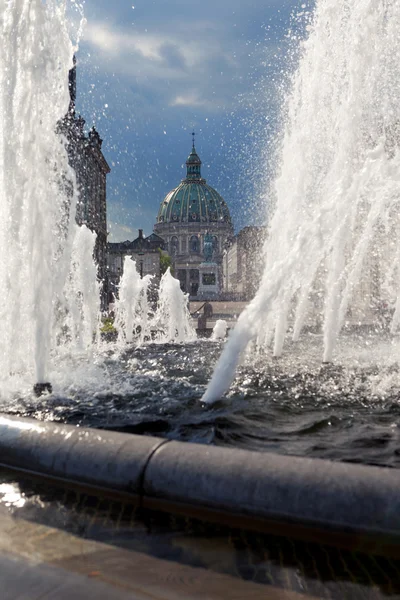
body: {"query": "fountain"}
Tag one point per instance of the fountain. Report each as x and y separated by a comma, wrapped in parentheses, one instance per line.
(132, 318)
(49, 292)
(332, 260)
(219, 330)
(172, 321)
(332, 253)
(332, 257)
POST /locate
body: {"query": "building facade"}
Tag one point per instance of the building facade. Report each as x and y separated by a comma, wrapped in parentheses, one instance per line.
(243, 263)
(145, 251)
(186, 215)
(91, 169)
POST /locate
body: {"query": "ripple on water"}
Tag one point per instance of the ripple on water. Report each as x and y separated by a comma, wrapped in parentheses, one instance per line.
(292, 405)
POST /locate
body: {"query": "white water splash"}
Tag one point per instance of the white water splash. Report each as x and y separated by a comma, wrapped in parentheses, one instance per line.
(172, 322)
(82, 294)
(332, 250)
(219, 330)
(49, 292)
(132, 311)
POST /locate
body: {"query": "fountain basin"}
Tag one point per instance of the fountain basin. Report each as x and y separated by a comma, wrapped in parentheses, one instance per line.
(346, 505)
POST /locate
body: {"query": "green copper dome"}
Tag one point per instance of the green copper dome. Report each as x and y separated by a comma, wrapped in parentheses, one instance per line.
(193, 200)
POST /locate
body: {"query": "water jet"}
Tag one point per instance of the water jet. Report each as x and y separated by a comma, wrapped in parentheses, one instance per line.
(328, 257)
(39, 389)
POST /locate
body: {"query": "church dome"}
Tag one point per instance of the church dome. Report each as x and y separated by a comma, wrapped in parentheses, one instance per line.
(193, 200)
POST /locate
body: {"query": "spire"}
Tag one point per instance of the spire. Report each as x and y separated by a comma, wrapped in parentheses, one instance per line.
(193, 163)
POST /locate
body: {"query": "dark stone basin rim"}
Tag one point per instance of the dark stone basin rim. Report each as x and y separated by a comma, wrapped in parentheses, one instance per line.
(347, 505)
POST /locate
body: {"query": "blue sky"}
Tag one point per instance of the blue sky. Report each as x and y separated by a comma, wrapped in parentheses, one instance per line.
(151, 71)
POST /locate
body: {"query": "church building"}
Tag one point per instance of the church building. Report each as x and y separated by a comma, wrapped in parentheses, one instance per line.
(91, 169)
(190, 215)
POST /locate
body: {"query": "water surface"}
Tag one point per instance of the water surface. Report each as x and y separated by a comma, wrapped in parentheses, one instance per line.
(348, 410)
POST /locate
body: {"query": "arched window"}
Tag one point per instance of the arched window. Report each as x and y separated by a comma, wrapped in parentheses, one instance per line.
(173, 246)
(215, 245)
(194, 244)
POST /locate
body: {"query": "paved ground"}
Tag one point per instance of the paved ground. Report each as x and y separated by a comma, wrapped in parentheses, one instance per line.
(39, 562)
(57, 544)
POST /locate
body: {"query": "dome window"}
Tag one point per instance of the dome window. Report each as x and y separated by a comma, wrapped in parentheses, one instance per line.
(194, 244)
(173, 245)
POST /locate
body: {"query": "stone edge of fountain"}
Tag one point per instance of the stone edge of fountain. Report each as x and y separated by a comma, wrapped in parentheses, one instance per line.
(347, 505)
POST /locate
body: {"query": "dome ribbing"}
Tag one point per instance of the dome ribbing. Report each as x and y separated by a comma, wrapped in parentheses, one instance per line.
(193, 200)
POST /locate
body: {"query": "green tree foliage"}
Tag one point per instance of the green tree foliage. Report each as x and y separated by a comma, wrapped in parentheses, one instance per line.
(165, 262)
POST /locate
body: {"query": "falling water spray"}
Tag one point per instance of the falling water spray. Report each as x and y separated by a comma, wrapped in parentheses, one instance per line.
(132, 310)
(332, 250)
(172, 321)
(38, 258)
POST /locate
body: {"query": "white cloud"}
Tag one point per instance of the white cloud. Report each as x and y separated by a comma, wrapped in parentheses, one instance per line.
(117, 42)
(191, 99)
(120, 233)
(195, 71)
(114, 41)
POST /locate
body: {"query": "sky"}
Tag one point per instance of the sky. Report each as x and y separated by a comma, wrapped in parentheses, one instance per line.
(149, 72)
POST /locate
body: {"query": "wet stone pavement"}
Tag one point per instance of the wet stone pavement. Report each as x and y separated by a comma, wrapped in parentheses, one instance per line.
(57, 543)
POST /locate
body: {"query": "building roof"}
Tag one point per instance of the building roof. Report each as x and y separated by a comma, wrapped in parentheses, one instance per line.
(193, 200)
(153, 237)
(146, 244)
